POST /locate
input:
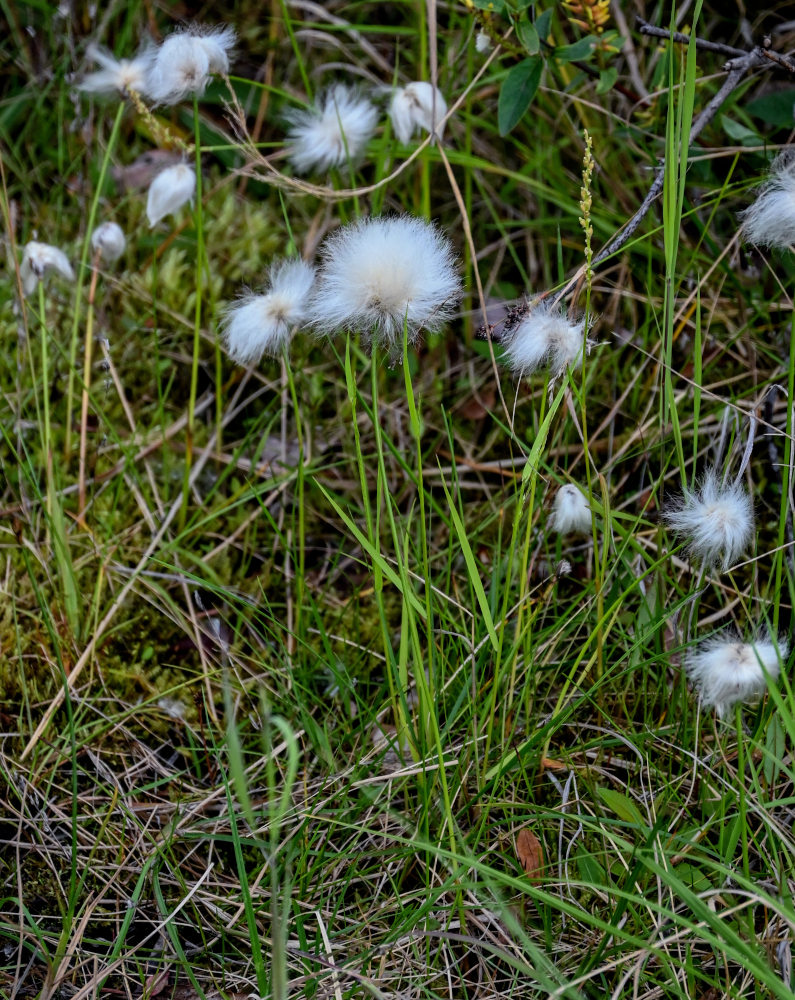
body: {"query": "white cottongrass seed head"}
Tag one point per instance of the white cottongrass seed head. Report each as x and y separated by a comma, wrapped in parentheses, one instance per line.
(38, 259)
(724, 670)
(770, 220)
(169, 191)
(261, 324)
(217, 44)
(716, 519)
(334, 130)
(378, 274)
(185, 61)
(571, 511)
(418, 105)
(544, 336)
(118, 76)
(483, 44)
(108, 241)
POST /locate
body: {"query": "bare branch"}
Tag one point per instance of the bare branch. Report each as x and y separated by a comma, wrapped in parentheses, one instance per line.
(701, 43)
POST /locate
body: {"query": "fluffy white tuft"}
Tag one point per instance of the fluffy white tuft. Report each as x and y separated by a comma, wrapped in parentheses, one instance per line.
(169, 191)
(544, 335)
(108, 240)
(118, 75)
(571, 511)
(717, 520)
(770, 221)
(725, 670)
(217, 44)
(419, 105)
(332, 132)
(37, 260)
(378, 274)
(483, 44)
(261, 324)
(185, 61)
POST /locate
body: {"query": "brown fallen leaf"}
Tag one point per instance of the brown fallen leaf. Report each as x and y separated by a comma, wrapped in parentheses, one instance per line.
(530, 853)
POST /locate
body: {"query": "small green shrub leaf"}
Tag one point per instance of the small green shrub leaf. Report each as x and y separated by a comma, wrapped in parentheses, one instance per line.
(518, 90)
(528, 36)
(774, 109)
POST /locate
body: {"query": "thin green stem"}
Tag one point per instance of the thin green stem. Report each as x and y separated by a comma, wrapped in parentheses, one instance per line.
(92, 216)
(197, 317)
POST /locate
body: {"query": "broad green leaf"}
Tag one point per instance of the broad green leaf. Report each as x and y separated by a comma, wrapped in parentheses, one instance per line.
(622, 806)
(606, 80)
(528, 36)
(590, 870)
(774, 109)
(543, 23)
(582, 49)
(738, 132)
(518, 90)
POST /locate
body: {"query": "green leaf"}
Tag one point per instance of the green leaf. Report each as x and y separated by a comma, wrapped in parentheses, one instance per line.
(738, 132)
(774, 109)
(606, 80)
(583, 49)
(492, 6)
(590, 870)
(543, 23)
(528, 36)
(518, 90)
(622, 806)
(693, 877)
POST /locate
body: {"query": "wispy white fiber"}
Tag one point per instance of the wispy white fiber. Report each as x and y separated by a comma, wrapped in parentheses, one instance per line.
(185, 61)
(571, 511)
(38, 259)
(544, 336)
(262, 324)
(217, 44)
(118, 76)
(336, 129)
(169, 191)
(716, 520)
(724, 670)
(378, 274)
(109, 241)
(418, 105)
(770, 220)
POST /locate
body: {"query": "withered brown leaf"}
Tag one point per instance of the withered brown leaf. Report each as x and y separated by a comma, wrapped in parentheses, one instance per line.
(529, 852)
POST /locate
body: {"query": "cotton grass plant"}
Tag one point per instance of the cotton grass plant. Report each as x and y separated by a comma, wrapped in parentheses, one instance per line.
(258, 503)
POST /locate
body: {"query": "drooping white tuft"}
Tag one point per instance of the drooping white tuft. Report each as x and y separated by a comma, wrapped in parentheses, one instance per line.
(185, 61)
(169, 191)
(333, 131)
(770, 220)
(108, 240)
(378, 274)
(37, 260)
(725, 670)
(118, 75)
(717, 520)
(262, 324)
(544, 335)
(419, 105)
(483, 44)
(571, 511)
